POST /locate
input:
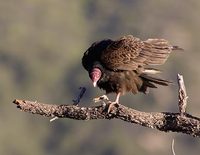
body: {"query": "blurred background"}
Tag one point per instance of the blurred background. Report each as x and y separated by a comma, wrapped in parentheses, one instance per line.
(41, 46)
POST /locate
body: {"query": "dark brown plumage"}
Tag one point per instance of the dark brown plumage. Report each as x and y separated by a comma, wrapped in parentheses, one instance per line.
(120, 66)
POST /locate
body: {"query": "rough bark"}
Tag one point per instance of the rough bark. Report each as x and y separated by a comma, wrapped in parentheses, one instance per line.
(163, 121)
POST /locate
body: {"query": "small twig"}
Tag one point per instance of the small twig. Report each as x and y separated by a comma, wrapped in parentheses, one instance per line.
(75, 101)
(173, 147)
(182, 103)
(80, 95)
(53, 119)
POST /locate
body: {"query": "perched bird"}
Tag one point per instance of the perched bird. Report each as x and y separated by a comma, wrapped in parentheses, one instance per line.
(120, 66)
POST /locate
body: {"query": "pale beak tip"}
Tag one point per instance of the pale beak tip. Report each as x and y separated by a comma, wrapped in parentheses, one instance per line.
(94, 84)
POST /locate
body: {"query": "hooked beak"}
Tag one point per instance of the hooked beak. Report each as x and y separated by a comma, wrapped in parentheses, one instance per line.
(95, 75)
(95, 83)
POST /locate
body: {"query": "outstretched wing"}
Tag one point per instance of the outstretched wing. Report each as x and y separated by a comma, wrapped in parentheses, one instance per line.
(129, 53)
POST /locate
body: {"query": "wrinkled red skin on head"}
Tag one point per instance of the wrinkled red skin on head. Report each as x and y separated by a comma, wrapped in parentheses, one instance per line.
(95, 75)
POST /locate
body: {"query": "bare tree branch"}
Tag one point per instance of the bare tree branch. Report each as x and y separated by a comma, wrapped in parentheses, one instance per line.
(163, 121)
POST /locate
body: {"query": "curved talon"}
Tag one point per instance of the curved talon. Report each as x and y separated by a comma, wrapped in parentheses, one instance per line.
(111, 105)
(101, 98)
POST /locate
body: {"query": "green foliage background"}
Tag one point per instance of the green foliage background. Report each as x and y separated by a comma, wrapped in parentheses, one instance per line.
(41, 45)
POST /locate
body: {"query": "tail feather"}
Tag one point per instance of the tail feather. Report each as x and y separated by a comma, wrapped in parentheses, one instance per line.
(150, 82)
(155, 80)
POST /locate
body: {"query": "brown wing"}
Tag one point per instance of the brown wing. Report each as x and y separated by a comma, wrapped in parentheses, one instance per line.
(128, 53)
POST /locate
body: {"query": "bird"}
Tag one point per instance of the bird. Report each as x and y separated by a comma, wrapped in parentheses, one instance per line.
(125, 64)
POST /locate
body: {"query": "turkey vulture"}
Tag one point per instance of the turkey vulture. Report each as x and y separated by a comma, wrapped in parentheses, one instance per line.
(120, 66)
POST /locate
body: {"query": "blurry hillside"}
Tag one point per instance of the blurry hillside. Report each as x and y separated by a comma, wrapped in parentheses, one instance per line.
(41, 45)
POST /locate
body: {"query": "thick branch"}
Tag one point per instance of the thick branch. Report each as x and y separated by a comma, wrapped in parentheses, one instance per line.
(163, 121)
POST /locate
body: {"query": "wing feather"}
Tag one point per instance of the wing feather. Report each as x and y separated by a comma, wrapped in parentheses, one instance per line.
(129, 53)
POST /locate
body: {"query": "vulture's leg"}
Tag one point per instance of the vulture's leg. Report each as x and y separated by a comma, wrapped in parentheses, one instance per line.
(113, 103)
